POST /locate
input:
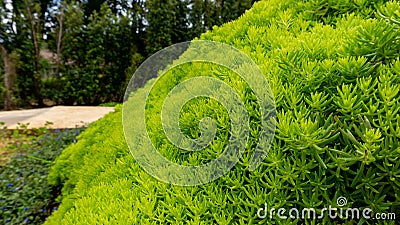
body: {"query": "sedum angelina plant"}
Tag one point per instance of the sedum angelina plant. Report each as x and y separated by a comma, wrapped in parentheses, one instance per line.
(335, 75)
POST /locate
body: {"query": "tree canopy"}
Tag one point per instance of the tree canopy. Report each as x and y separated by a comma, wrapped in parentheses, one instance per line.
(78, 52)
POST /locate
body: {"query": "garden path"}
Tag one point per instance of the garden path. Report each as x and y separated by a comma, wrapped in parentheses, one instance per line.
(59, 116)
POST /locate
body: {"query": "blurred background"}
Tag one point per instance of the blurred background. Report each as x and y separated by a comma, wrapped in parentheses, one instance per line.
(84, 52)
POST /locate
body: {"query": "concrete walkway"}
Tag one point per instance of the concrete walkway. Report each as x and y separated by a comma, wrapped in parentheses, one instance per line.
(60, 116)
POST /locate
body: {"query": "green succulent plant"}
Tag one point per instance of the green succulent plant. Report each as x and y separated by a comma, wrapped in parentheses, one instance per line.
(334, 70)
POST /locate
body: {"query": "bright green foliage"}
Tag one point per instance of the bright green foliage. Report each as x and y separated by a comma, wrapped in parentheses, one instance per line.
(336, 88)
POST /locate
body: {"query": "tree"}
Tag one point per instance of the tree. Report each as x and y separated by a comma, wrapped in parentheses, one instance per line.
(33, 14)
(59, 37)
(159, 17)
(197, 17)
(9, 63)
(95, 57)
(180, 29)
(22, 31)
(98, 43)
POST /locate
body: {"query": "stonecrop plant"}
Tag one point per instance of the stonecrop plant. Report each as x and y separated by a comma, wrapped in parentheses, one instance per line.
(334, 70)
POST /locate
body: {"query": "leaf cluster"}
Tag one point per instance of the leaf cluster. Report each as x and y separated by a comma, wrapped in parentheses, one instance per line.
(336, 89)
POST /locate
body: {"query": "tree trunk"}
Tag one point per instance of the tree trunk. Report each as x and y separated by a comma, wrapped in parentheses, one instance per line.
(9, 61)
(60, 19)
(35, 31)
